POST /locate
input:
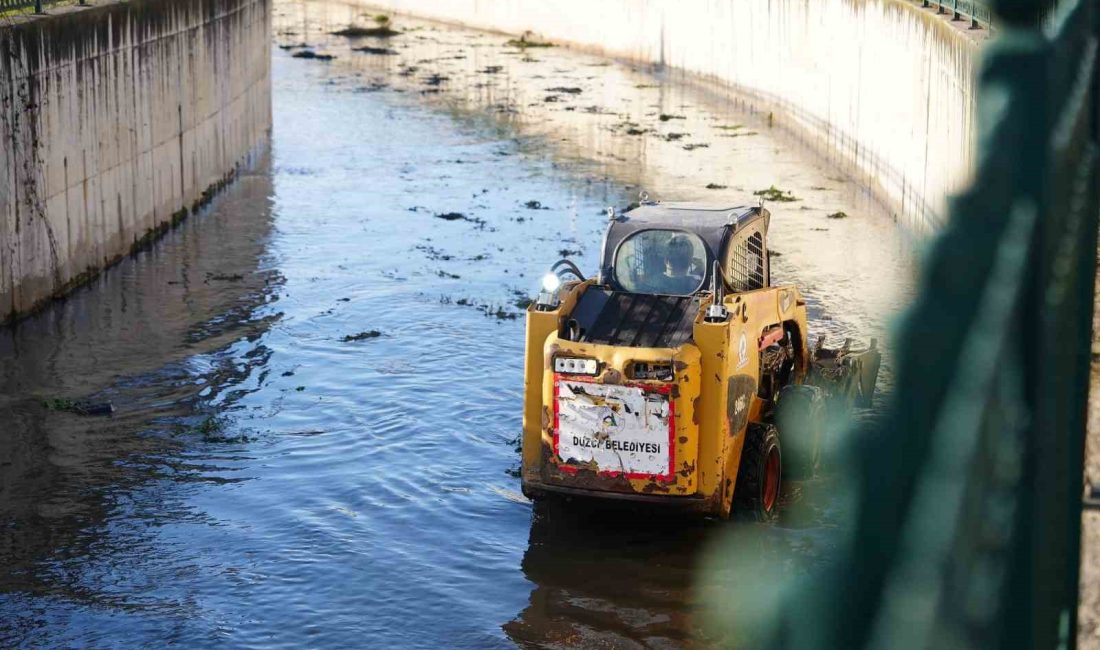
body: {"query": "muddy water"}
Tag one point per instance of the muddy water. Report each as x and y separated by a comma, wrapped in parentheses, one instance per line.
(277, 475)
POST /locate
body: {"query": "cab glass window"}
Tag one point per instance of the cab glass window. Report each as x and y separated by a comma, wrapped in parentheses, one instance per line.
(669, 262)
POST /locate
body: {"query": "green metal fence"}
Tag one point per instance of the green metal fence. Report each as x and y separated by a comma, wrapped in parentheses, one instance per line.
(968, 496)
(978, 13)
(39, 6)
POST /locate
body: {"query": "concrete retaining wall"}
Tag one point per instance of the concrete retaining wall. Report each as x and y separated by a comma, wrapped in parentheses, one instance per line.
(115, 121)
(881, 87)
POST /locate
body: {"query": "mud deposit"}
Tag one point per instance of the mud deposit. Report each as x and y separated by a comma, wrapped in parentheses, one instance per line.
(317, 382)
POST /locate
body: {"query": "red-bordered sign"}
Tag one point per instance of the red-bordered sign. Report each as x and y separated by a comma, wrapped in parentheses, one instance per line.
(663, 389)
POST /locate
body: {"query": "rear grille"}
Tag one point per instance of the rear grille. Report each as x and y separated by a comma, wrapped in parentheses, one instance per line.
(633, 319)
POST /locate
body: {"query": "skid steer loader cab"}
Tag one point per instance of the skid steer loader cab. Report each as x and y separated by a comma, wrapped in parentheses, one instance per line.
(659, 379)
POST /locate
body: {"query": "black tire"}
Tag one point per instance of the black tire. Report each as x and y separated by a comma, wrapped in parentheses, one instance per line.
(800, 414)
(756, 495)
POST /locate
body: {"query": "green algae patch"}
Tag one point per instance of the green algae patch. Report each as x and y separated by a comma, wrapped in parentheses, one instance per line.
(773, 193)
(524, 42)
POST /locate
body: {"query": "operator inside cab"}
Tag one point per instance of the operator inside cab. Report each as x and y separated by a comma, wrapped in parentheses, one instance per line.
(661, 262)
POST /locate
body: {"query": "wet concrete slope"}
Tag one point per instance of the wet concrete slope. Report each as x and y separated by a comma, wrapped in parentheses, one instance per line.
(116, 121)
(883, 88)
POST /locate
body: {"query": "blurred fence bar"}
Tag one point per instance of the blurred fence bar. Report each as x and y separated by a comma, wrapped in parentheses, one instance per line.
(968, 495)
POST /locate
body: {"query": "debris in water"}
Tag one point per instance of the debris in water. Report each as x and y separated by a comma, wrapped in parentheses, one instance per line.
(80, 408)
(523, 42)
(458, 216)
(569, 90)
(221, 277)
(566, 252)
(838, 215)
(664, 117)
(212, 430)
(818, 187)
(491, 69)
(773, 193)
(715, 186)
(535, 205)
(382, 30)
(449, 276)
(522, 301)
(729, 127)
(434, 253)
(310, 54)
(380, 51)
(361, 336)
(772, 253)
(695, 145)
(435, 79)
(675, 136)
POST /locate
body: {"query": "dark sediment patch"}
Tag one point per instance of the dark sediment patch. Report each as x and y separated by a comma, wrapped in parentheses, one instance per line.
(378, 51)
(361, 336)
(78, 407)
(310, 54)
(374, 32)
(458, 216)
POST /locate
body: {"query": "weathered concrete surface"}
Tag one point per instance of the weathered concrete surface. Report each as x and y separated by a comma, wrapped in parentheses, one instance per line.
(116, 120)
(881, 87)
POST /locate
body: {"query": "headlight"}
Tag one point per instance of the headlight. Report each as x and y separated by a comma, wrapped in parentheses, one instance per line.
(551, 282)
(575, 366)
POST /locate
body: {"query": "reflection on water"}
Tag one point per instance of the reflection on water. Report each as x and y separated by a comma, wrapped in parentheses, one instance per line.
(276, 476)
(74, 489)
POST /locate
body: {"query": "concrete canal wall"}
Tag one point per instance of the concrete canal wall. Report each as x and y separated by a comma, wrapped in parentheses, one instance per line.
(882, 88)
(115, 121)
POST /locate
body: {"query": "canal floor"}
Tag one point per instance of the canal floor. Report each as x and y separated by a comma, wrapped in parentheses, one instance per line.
(317, 381)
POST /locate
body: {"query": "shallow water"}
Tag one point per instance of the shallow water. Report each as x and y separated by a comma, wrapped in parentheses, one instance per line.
(265, 482)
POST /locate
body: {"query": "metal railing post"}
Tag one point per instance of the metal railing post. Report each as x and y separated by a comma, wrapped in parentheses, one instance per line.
(38, 7)
(957, 16)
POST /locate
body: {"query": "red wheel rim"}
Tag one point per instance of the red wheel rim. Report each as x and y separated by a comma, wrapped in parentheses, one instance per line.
(771, 480)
